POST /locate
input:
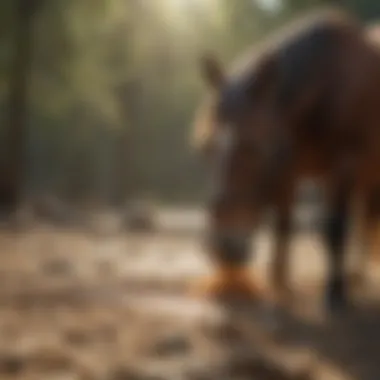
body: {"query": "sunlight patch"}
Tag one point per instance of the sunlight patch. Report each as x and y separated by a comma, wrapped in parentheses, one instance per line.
(269, 5)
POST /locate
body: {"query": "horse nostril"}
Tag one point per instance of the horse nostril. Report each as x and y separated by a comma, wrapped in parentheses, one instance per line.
(233, 244)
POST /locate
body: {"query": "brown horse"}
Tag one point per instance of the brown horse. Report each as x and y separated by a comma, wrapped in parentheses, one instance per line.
(305, 104)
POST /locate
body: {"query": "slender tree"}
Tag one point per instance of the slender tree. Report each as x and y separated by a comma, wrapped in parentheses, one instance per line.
(11, 180)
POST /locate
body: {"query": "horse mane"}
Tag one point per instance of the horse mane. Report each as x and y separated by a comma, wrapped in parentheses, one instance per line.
(326, 15)
(293, 47)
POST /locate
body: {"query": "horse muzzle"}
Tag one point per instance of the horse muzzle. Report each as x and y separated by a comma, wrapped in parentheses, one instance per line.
(230, 248)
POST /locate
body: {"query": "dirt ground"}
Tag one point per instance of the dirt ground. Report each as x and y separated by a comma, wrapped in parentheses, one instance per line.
(79, 305)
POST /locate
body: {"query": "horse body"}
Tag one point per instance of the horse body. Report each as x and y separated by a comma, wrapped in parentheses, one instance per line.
(307, 106)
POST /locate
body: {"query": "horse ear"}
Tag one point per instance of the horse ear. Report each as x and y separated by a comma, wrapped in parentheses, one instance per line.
(212, 71)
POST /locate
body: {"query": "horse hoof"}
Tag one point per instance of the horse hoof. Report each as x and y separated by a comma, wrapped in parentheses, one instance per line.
(334, 308)
(337, 304)
(229, 284)
(336, 296)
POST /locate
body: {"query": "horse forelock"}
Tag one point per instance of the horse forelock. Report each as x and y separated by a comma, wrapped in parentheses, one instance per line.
(216, 107)
(216, 110)
(204, 124)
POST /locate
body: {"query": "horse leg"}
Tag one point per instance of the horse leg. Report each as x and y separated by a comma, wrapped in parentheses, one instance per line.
(280, 261)
(336, 228)
(372, 217)
(368, 233)
(360, 230)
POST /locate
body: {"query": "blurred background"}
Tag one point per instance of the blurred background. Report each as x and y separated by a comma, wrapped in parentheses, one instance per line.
(97, 98)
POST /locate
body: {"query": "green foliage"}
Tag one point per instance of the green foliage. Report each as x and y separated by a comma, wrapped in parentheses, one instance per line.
(115, 84)
(368, 10)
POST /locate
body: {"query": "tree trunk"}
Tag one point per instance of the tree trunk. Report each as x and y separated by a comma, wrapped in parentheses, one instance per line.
(130, 96)
(126, 175)
(11, 180)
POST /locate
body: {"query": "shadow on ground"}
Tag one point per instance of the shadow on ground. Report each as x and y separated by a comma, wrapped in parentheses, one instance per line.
(344, 347)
